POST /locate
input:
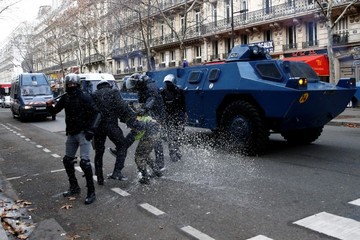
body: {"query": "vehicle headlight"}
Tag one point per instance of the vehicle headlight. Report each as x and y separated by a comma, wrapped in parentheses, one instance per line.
(28, 107)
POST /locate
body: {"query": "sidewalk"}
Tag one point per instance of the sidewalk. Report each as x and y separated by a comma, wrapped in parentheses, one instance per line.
(349, 118)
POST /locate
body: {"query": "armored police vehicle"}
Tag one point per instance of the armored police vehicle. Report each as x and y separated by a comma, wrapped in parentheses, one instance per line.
(250, 95)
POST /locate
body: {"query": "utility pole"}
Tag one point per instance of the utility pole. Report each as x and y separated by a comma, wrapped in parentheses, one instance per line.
(232, 23)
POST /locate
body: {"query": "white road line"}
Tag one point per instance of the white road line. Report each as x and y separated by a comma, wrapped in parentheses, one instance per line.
(260, 237)
(46, 150)
(58, 170)
(22, 136)
(27, 139)
(121, 192)
(151, 209)
(332, 225)
(355, 202)
(39, 146)
(78, 169)
(18, 134)
(55, 155)
(196, 233)
(13, 178)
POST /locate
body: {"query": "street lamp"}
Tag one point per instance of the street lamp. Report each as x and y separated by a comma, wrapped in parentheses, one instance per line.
(232, 20)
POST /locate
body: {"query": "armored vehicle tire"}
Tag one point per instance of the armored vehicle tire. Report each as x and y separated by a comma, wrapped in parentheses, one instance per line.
(302, 136)
(243, 127)
(53, 117)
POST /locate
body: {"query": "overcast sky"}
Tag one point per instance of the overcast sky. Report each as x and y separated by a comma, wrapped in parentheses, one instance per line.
(22, 11)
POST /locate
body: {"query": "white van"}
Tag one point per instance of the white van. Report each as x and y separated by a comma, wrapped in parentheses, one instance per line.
(89, 81)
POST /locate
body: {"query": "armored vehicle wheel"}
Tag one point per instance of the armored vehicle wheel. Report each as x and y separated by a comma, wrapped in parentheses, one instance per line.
(53, 117)
(303, 136)
(243, 127)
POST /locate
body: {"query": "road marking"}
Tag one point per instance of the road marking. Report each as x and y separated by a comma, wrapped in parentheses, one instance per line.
(196, 233)
(22, 136)
(332, 225)
(27, 139)
(58, 170)
(260, 237)
(55, 155)
(355, 202)
(121, 192)
(39, 146)
(46, 150)
(78, 169)
(13, 178)
(151, 209)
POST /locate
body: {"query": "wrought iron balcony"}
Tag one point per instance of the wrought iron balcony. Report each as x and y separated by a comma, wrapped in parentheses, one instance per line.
(314, 43)
(289, 46)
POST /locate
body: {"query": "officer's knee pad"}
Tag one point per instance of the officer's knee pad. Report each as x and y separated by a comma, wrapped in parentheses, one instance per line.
(68, 161)
(85, 163)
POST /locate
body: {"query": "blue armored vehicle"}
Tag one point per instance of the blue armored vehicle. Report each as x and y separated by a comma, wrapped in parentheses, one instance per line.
(250, 95)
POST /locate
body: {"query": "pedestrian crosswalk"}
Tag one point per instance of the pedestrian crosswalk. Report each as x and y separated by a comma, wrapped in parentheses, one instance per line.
(332, 225)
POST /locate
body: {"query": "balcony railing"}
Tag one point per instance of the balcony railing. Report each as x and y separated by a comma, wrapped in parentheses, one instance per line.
(313, 43)
(340, 38)
(289, 46)
(241, 20)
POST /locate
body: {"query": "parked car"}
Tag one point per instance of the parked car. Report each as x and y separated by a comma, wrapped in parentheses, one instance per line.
(5, 101)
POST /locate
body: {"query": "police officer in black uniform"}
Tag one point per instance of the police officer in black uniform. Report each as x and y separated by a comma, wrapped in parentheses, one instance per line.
(81, 119)
(152, 104)
(113, 107)
(175, 115)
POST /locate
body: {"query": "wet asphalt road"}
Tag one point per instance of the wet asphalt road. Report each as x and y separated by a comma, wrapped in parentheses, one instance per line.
(210, 194)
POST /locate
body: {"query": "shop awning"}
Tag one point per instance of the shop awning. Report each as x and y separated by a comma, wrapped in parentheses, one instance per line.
(320, 63)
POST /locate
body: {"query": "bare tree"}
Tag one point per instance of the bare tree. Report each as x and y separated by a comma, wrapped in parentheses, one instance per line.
(327, 7)
(182, 33)
(22, 44)
(6, 5)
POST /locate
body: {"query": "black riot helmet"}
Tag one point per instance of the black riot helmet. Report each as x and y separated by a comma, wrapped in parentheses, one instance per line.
(72, 82)
(103, 84)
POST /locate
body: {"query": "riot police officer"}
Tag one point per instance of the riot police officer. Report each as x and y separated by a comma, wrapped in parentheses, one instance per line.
(152, 104)
(81, 119)
(112, 107)
(175, 115)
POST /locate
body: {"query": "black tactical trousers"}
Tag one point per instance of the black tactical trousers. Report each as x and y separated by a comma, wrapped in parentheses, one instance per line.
(115, 134)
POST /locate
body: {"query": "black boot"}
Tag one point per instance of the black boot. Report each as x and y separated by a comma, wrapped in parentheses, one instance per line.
(99, 172)
(87, 169)
(119, 165)
(91, 197)
(70, 170)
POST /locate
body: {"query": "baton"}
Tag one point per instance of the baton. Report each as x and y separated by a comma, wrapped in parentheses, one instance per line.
(54, 99)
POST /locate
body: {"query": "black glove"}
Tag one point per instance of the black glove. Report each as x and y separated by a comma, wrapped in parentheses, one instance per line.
(141, 112)
(89, 135)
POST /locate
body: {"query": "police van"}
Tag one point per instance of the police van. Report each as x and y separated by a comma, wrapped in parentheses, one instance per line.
(29, 94)
(89, 81)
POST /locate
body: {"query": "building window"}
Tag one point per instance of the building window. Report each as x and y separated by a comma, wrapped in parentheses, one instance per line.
(172, 28)
(214, 14)
(227, 11)
(197, 19)
(215, 50)
(267, 35)
(162, 56)
(182, 24)
(244, 39)
(243, 10)
(162, 31)
(198, 51)
(291, 37)
(172, 55)
(312, 33)
(267, 7)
